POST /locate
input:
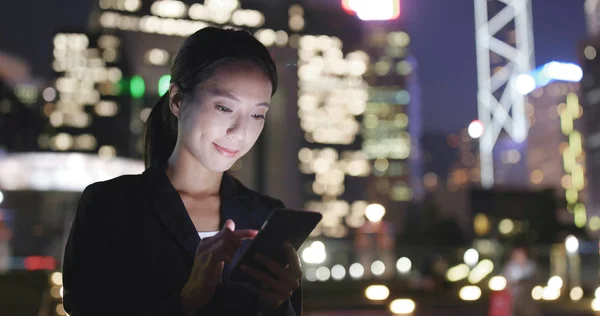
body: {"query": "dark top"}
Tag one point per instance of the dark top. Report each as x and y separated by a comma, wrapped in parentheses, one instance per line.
(132, 245)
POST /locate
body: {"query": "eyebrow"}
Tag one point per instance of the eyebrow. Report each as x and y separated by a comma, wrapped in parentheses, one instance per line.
(224, 94)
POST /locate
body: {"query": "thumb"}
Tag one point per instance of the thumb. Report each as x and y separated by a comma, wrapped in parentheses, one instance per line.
(229, 224)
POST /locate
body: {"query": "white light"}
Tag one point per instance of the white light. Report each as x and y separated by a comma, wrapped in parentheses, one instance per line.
(168, 8)
(378, 267)
(596, 305)
(590, 53)
(571, 244)
(597, 293)
(537, 293)
(458, 272)
(555, 282)
(475, 129)
(315, 253)
(338, 272)
(62, 290)
(471, 257)
(525, 84)
(49, 94)
(311, 274)
(375, 212)
(564, 71)
(1, 196)
(356, 270)
(550, 294)
(323, 274)
(497, 283)
(373, 10)
(470, 293)
(402, 306)
(403, 265)
(377, 292)
(56, 278)
(576, 293)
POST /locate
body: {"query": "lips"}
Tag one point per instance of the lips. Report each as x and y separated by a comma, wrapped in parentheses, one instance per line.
(227, 152)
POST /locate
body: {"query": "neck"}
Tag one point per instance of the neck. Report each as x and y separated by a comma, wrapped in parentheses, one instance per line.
(189, 176)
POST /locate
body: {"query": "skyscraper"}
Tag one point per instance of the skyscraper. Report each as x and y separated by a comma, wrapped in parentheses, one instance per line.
(555, 154)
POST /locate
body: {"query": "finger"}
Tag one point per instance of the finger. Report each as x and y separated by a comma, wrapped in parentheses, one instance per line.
(245, 233)
(272, 265)
(293, 260)
(265, 279)
(287, 277)
(229, 225)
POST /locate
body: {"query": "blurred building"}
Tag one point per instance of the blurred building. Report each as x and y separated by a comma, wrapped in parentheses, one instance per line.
(555, 153)
(392, 122)
(19, 97)
(590, 100)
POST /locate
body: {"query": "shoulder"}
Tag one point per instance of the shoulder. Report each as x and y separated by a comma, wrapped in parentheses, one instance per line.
(108, 198)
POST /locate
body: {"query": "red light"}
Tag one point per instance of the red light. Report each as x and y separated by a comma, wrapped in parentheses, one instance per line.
(33, 263)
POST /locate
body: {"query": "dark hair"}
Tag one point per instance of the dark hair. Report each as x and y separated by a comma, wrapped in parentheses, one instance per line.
(199, 57)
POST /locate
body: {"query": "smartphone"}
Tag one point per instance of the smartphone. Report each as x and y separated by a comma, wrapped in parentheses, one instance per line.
(293, 226)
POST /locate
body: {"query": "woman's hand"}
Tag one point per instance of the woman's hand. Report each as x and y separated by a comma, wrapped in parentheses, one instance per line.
(211, 255)
(276, 290)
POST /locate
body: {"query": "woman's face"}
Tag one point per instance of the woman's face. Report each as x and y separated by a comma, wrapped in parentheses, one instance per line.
(225, 116)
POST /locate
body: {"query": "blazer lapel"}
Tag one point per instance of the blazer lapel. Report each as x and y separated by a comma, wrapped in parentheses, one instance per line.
(167, 204)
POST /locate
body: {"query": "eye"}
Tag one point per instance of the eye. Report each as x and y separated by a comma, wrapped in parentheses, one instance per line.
(259, 116)
(222, 108)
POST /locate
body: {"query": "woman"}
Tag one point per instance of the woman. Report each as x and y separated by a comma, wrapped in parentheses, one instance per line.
(161, 243)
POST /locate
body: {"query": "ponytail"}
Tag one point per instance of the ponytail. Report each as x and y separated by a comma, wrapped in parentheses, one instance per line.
(160, 134)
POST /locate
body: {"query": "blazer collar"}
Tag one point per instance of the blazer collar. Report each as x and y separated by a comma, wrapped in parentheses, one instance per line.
(166, 202)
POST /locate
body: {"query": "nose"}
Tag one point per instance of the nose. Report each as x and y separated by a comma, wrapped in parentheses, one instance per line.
(237, 130)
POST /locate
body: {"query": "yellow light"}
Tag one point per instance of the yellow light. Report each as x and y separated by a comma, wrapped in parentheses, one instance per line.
(537, 176)
(571, 195)
(594, 223)
(537, 293)
(506, 226)
(402, 306)
(596, 305)
(458, 272)
(377, 292)
(56, 278)
(550, 293)
(555, 282)
(579, 214)
(470, 293)
(481, 224)
(576, 293)
(497, 283)
(481, 270)
(597, 293)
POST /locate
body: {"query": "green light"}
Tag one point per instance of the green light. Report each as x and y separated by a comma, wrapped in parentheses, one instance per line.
(163, 84)
(137, 86)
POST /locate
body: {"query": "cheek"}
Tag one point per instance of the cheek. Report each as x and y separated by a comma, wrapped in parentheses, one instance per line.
(254, 132)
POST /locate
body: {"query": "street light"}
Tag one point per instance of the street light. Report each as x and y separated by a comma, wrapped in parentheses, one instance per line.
(571, 244)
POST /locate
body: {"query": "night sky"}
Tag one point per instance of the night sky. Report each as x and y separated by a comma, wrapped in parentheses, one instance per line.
(442, 31)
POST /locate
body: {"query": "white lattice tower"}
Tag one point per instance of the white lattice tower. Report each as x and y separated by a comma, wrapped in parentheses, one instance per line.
(500, 105)
(592, 12)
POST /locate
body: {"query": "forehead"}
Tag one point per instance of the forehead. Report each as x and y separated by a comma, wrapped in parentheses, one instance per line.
(239, 78)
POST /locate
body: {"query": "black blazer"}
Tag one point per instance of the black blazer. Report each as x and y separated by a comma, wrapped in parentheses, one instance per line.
(132, 243)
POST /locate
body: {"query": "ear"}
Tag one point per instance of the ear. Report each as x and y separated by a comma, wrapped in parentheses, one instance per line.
(175, 99)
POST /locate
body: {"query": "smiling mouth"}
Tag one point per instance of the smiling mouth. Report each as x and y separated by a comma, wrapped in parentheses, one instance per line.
(230, 153)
